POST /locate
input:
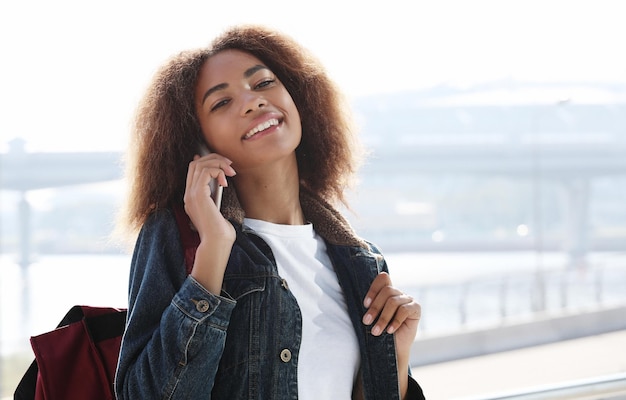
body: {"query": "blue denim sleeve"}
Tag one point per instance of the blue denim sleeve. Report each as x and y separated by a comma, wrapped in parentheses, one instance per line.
(176, 329)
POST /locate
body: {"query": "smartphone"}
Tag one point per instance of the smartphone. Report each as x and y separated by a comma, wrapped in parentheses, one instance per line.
(216, 190)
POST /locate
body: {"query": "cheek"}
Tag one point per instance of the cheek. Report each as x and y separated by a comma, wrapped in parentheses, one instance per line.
(293, 110)
(299, 122)
(206, 130)
(211, 128)
(209, 136)
(218, 135)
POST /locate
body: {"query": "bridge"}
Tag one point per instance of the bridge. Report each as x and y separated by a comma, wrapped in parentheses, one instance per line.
(564, 161)
(566, 142)
(568, 145)
(24, 171)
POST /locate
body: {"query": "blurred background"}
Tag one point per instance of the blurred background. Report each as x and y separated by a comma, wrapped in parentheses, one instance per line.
(496, 184)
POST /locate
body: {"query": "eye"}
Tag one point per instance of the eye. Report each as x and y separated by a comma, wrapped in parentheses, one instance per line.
(265, 83)
(220, 104)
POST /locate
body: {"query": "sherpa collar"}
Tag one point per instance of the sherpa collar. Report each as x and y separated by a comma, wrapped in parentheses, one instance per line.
(326, 220)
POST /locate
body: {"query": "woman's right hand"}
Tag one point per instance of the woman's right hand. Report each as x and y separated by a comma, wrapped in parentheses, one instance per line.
(217, 235)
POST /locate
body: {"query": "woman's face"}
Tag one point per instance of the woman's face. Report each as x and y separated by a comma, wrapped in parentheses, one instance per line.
(245, 112)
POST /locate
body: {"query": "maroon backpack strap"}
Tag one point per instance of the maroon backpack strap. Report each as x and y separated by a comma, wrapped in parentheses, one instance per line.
(188, 236)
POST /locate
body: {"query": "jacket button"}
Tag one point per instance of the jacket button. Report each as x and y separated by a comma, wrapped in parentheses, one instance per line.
(285, 355)
(284, 284)
(202, 306)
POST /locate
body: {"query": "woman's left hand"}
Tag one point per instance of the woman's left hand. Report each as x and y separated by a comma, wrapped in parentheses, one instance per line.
(392, 311)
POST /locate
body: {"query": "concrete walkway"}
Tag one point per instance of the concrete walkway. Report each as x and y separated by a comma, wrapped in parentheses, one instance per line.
(522, 369)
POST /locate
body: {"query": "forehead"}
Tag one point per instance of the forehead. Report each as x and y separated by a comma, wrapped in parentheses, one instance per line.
(227, 63)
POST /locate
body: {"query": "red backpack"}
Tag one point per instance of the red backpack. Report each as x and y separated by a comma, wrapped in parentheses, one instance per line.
(77, 360)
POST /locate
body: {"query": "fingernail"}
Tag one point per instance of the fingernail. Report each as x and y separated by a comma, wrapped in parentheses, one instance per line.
(368, 319)
(367, 302)
(376, 331)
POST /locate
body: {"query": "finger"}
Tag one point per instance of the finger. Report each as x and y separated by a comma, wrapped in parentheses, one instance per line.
(379, 282)
(223, 162)
(215, 156)
(198, 177)
(384, 307)
(406, 312)
(218, 167)
(190, 174)
(208, 174)
(378, 303)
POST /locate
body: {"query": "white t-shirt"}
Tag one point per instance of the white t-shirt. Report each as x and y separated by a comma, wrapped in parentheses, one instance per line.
(329, 353)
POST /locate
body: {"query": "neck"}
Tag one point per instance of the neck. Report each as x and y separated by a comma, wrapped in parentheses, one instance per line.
(271, 193)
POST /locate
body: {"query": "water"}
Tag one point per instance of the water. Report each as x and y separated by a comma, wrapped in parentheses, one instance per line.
(34, 302)
(476, 290)
(455, 289)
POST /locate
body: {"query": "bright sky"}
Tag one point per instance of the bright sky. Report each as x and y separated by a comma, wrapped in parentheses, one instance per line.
(73, 71)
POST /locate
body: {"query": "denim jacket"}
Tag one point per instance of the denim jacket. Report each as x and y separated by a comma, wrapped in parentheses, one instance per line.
(182, 342)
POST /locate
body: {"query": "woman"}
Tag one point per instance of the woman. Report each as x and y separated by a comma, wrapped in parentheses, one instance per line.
(284, 300)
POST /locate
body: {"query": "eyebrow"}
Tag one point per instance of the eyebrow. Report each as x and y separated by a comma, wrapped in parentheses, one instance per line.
(252, 70)
(247, 74)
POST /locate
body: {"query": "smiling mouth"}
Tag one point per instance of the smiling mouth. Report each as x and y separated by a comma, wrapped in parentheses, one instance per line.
(261, 127)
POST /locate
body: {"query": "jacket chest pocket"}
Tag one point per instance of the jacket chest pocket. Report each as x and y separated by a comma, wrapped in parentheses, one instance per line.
(239, 286)
(255, 334)
(244, 322)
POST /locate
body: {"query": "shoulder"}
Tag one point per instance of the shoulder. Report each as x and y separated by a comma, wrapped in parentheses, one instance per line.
(374, 249)
(159, 235)
(158, 251)
(368, 253)
(161, 224)
(368, 249)
(160, 218)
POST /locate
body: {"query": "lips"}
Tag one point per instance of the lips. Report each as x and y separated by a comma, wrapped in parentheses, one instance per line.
(261, 127)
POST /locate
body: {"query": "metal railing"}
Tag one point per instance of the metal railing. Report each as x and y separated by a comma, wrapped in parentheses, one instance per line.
(495, 299)
(609, 387)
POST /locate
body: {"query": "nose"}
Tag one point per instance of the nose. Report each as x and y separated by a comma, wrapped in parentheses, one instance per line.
(253, 102)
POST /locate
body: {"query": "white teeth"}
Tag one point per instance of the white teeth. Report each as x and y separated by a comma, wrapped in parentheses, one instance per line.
(261, 127)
